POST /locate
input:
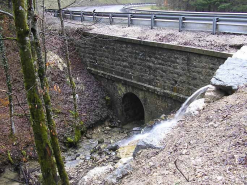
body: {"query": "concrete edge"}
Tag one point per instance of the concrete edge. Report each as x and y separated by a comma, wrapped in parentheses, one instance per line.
(163, 45)
(142, 86)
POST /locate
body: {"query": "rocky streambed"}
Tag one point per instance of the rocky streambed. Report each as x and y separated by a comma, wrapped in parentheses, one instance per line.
(96, 150)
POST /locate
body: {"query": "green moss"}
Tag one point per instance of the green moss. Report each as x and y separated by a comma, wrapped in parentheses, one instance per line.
(108, 101)
(77, 135)
(69, 140)
(121, 89)
(56, 111)
(10, 158)
(24, 153)
(34, 101)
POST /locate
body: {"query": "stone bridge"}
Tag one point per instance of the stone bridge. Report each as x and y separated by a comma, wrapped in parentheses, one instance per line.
(146, 79)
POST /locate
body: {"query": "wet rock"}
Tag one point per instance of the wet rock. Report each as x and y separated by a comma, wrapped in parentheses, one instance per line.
(195, 107)
(107, 128)
(95, 174)
(148, 142)
(113, 147)
(123, 161)
(2, 170)
(100, 141)
(163, 117)
(119, 173)
(213, 94)
(77, 155)
(147, 129)
(127, 151)
(137, 129)
(63, 148)
(89, 136)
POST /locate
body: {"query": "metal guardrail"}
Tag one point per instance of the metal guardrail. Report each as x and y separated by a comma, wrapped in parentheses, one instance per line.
(231, 23)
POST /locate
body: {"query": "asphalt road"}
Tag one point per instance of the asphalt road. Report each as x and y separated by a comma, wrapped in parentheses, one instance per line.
(109, 8)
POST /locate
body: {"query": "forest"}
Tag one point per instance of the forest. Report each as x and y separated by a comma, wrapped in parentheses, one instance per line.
(205, 5)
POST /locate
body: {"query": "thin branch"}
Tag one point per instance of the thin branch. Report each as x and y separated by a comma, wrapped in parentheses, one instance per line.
(24, 174)
(13, 180)
(8, 38)
(17, 101)
(175, 162)
(7, 13)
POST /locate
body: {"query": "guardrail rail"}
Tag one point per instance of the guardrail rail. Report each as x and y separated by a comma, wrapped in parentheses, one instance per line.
(215, 23)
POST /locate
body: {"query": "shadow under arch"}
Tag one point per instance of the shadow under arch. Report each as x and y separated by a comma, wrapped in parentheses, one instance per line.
(133, 109)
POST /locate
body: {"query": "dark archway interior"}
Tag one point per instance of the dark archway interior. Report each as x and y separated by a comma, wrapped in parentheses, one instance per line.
(132, 108)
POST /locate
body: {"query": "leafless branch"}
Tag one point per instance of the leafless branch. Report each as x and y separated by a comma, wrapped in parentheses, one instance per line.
(175, 162)
(7, 13)
(19, 104)
(9, 38)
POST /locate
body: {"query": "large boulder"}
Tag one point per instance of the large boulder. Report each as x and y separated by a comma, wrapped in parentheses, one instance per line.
(95, 176)
(233, 73)
(119, 173)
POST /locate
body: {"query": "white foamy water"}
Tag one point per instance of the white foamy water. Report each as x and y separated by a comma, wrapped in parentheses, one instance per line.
(159, 131)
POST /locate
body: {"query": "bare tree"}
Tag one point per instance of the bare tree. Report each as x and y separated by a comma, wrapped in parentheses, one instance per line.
(8, 83)
(77, 125)
(46, 97)
(33, 95)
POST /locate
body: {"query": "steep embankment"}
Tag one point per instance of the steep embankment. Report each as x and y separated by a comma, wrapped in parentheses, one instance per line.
(92, 103)
(209, 148)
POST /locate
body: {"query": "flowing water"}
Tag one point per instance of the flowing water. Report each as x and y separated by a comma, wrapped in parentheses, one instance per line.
(192, 98)
(154, 136)
(159, 131)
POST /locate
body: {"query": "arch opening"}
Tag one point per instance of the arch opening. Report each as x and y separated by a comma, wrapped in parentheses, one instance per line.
(133, 109)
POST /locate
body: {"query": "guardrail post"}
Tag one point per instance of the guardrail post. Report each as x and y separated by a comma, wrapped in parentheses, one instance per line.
(63, 15)
(129, 19)
(152, 21)
(82, 17)
(180, 23)
(93, 16)
(56, 14)
(215, 20)
(70, 15)
(110, 18)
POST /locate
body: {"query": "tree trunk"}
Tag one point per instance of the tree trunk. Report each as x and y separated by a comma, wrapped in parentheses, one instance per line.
(47, 100)
(77, 125)
(34, 101)
(8, 82)
(43, 33)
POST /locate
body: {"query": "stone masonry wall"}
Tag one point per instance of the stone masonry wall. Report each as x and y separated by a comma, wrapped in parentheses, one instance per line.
(174, 68)
(161, 75)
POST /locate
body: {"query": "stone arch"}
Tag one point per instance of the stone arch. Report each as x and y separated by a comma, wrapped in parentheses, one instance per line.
(133, 109)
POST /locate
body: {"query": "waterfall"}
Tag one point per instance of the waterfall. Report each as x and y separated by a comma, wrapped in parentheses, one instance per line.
(192, 98)
(159, 131)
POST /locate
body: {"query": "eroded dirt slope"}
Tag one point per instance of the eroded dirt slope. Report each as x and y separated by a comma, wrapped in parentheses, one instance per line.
(210, 148)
